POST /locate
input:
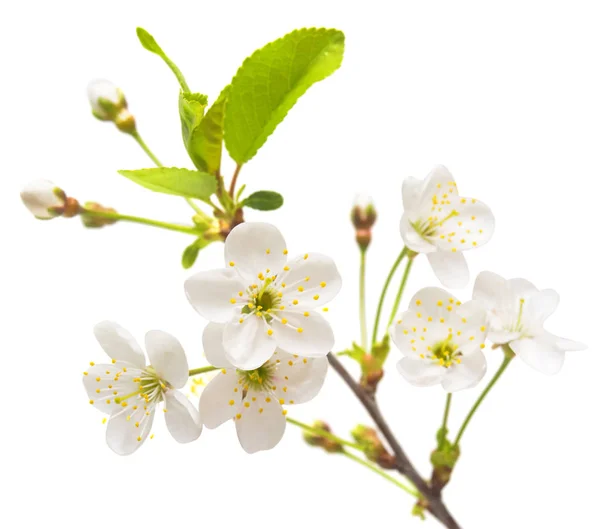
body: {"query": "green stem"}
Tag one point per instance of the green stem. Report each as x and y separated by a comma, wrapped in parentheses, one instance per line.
(200, 370)
(383, 293)
(400, 291)
(447, 411)
(362, 299)
(383, 474)
(136, 136)
(141, 220)
(236, 173)
(508, 356)
(324, 433)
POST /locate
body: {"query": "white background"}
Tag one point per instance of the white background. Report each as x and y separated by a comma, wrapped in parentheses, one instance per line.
(506, 94)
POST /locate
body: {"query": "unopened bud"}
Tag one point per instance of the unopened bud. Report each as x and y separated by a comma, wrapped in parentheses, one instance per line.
(363, 216)
(109, 104)
(315, 439)
(43, 199)
(369, 440)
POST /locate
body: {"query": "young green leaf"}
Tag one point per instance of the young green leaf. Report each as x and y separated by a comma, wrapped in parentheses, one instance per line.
(264, 200)
(205, 141)
(149, 42)
(191, 112)
(190, 254)
(174, 181)
(271, 80)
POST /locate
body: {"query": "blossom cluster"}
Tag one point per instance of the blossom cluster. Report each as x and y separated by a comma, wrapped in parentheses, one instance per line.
(269, 341)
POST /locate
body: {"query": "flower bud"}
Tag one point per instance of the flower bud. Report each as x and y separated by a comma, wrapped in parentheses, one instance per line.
(363, 216)
(109, 104)
(94, 221)
(370, 442)
(314, 439)
(44, 199)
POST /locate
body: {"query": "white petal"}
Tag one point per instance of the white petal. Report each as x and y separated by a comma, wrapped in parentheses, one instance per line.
(450, 268)
(412, 239)
(564, 344)
(438, 181)
(470, 226)
(211, 292)
(303, 335)
(212, 341)
(540, 353)
(182, 418)
(122, 434)
(102, 89)
(298, 379)
(420, 372)
(254, 247)
(41, 196)
(118, 343)
(411, 193)
(219, 400)
(466, 374)
(312, 280)
(413, 334)
(542, 304)
(471, 320)
(502, 336)
(101, 381)
(432, 301)
(521, 288)
(248, 344)
(167, 357)
(261, 425)
(490, 289)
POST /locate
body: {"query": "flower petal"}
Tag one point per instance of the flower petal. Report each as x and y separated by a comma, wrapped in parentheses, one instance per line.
(248, 345)
(420, 372)
(212, 341)
(303, 335)
(167, 357)
(432, 301)
(541, 353)
(450, 268)
(541, 305)
(438, 181)
(105, 382)
(413, 334)
(502, 336)
(211, 292)
(127, 429)
(412, 239)
(466, 374)
(521, 288)
(311, 279)
(490, 289)
(182, 418)
(298, 379)
(220, 400)
(254, 247)
(118, 343)
(470, 226)
(261, 425)
(411, 193)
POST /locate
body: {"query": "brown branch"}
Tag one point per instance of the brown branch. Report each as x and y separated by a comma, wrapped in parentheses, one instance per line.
(238, 168)
(432, 499)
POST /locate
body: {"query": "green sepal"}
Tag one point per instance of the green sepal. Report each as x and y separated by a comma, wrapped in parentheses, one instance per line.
(356, 353)
(263, 200)
(149, 42)
(380, 351)
(271, 80)
(174, 181)
(190, 254)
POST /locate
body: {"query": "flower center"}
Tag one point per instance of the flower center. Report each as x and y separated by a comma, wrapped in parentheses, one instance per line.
(150, 387)
(445, 353)
(427, 229)
(259, 379)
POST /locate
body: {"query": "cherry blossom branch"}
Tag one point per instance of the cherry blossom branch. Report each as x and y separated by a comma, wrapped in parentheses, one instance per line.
(432, 501)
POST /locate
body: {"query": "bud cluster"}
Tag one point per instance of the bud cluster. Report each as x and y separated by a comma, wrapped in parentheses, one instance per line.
(315, 439)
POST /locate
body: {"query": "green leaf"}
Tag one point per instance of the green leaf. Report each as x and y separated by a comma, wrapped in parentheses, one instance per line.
(264, 200)
(271, 80)
(205, 141)
(191, 112)
(174, 181)
(190, 254)
(149, 42)
(356, 353)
